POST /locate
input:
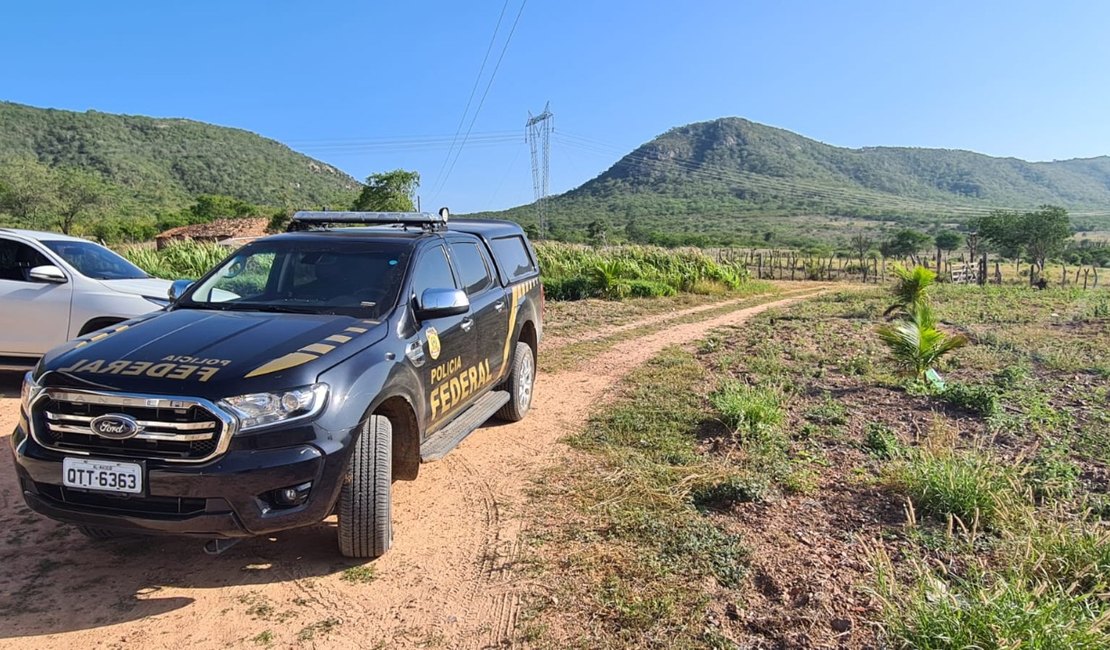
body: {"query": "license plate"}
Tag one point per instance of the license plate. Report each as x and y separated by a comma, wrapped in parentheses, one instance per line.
(102, 475)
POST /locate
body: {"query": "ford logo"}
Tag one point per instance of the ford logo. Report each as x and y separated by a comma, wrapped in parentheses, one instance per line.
(115, 426)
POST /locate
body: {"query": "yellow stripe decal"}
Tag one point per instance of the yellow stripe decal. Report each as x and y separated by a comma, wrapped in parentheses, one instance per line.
(519, 291)
(357, 330)
(338, 338)
(318, 348)
(290, 360)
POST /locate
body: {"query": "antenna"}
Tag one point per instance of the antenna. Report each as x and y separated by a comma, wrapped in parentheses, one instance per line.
(538, 129)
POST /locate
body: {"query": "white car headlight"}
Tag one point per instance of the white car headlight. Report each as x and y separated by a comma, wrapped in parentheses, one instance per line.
(28, 391)
(257, 410)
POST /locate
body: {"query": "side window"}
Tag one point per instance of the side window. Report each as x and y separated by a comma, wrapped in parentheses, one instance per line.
(17, 260)
(513, 256)
(433, 271)
(472, 267)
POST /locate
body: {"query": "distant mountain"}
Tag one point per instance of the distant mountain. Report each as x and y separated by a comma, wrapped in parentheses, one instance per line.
(162, 164)
(732, 176)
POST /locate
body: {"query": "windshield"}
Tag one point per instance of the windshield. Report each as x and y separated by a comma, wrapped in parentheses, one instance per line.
(94, 261)
(355, 278)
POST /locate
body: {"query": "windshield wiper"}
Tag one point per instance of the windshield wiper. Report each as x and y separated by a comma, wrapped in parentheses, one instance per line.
(279, 309)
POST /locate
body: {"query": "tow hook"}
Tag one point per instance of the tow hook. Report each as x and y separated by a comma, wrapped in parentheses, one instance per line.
(217, 546)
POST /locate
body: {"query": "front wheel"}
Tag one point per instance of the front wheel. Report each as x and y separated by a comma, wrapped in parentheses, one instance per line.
(520, 384)
(365, 521)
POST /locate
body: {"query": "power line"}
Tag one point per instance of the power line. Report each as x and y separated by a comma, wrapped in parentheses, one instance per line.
(482, 101)
(473, 89)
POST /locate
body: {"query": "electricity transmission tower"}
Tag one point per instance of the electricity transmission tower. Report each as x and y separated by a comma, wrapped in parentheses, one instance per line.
(539, 129)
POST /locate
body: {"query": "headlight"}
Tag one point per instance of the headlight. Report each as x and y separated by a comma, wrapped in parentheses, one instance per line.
(261, 409)
(28, 391)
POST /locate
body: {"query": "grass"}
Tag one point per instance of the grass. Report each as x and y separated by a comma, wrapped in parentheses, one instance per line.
(748, 410)
(361, 574)
(969, 485)
(264, 638)
(991, 493)
(640, 550)
(570, 356)
(575, 272)
(310, 632)
(1004, 613)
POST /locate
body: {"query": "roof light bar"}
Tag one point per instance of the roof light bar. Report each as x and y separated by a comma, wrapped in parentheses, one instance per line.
(307, 220)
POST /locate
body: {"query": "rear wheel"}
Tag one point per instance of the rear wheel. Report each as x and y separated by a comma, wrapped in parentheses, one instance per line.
(365, 523)
(521, 381)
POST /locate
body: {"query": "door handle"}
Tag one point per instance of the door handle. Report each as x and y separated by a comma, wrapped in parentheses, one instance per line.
(467, 324)
(499, 305)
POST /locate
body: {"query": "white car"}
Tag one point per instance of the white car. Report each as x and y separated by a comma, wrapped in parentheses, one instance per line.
(54, 288)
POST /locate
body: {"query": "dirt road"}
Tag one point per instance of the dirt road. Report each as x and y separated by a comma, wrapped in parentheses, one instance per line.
(450, 580)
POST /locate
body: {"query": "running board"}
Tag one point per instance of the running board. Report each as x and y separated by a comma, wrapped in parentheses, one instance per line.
(449, 437)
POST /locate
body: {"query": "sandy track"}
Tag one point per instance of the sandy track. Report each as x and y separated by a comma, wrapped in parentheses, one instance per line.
(450, 580)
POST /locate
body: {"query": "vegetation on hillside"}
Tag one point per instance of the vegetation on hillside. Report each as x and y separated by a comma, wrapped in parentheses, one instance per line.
(735, 180)
(149, 169)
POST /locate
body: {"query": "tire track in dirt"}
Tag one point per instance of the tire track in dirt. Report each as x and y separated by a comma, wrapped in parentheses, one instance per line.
(555, 342)
(451, 579)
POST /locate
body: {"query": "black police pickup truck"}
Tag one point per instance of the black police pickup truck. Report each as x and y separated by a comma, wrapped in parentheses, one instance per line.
(298, 378)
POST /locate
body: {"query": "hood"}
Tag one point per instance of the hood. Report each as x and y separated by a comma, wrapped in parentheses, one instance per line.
(210, 354)
(152, 287)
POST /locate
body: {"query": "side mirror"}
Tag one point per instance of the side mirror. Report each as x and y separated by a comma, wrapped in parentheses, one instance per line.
(177, 289)
(437, 303)
(47, 273)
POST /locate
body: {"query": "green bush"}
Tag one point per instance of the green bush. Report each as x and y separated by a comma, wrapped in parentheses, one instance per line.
(649, 289)
(880, 440)
(183, 260)
(574, 272)
(748, 409)
(977, 398)
(971, 486)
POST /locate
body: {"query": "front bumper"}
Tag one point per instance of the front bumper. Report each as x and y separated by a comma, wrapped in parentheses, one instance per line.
(224, 498)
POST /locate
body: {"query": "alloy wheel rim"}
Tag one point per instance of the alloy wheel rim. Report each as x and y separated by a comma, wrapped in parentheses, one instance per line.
(526, 378)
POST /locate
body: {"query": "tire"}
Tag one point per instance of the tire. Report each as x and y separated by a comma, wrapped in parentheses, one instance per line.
(95, 532)
(520, 384)
(365, 522)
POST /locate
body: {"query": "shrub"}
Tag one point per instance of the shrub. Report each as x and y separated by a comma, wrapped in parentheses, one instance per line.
(880, 440)
(911, 289)
(649, 289)
(971, 486)
(748, 409)
(188, 260)
(977, 398)
(916, 344)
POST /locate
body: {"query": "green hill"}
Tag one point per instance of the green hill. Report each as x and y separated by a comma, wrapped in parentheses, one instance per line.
(732, 178)
(162, 165)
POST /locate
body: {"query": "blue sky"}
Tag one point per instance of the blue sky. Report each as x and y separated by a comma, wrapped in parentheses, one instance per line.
(371, 86)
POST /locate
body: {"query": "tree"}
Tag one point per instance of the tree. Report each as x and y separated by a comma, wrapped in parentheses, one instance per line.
(388, 192)
(861, 243)
(28, 191)
(1037, 234)
(80, 195)
(210, 207)
(906, 243)
(949, 241)
(597, 231)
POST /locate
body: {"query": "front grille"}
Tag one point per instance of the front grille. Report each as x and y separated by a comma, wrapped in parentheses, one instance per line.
(175, 430)
(114, 504)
